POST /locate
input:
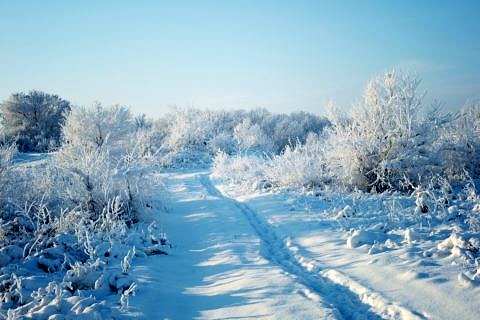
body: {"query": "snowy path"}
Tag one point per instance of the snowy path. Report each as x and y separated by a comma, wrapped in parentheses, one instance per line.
(398, 284)
(227, 266)
(218, 269)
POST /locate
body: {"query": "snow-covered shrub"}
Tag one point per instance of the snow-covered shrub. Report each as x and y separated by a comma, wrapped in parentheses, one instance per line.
(293, 128)
(104, 159)
(386, 139)
(98, 126)
(188, 135)
(461, 143)
(223, 142)
(251, 138)
(7, 178)
(300, 166)
(7, 151)
(246, 171)
(188, 130)
(34, 120)
(75, 213)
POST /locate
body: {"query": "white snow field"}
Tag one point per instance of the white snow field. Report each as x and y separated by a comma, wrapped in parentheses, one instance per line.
(265, 256)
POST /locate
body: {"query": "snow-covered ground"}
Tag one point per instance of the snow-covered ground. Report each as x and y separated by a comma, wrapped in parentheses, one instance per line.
(275, 256)
(219, 267)
(236, 254)
(399, 273)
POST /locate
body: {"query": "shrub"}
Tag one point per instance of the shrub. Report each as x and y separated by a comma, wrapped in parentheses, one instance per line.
(97, 126)
(461, 141)
(385, 140)
(302, 166)
(74, 214)
(104, 157)
(250, 137)
(246, 171)
(7, 176)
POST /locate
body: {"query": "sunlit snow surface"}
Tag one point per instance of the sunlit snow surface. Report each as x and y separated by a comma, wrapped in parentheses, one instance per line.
(217, 268)
(398, 272)
(287, 256)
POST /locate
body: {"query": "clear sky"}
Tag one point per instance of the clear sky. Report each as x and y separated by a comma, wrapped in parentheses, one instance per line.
(282, 55)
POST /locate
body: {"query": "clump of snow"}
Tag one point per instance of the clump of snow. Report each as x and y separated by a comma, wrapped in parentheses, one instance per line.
(346, 212)
(370, 235)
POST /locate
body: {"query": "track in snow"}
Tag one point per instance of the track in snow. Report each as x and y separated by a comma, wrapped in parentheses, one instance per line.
(348, 305)
(351, 299)
(216, 269)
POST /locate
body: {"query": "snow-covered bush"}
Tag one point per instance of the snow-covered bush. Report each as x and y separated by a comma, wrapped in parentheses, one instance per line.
(251, 138)
(75, 212)
(461, 143)
(7, 151)
(187, 137)
(34, 120)
(105, 157)
(302, 166)
(98, 126)
(293, 128)
(7, 177)
(247, 171)
(386, 140)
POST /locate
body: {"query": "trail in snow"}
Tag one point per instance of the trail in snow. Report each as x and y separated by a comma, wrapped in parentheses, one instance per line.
(219, 269)
(228, 263)
(397, 283)
(348, 296)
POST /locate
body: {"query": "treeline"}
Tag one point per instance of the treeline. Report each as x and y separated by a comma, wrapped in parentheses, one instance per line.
(41, 122)
(389, 141)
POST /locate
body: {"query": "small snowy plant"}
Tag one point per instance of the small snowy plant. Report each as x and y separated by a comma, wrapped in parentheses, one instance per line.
(301, 166)
(125, 295)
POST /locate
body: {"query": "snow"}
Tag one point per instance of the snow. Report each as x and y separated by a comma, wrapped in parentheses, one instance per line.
(272, 255)
(399, 273)
(367, 215)
(233, 254)
(219, 267)
(32, 157)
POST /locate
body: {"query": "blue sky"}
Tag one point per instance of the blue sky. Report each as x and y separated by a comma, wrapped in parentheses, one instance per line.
(282, 55)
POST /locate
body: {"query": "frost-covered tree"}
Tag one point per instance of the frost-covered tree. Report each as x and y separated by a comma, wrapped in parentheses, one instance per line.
(97, 126)
(386, 139)
(34, 120)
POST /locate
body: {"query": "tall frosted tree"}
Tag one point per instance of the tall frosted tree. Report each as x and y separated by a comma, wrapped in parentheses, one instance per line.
(34, 120)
